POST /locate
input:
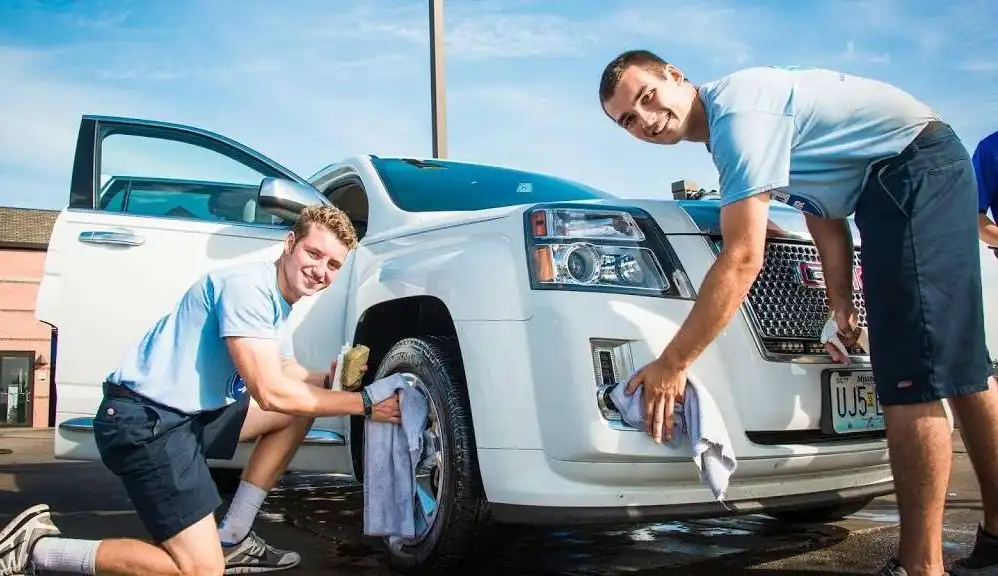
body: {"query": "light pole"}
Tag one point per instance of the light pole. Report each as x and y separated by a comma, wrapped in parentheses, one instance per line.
(438, 88)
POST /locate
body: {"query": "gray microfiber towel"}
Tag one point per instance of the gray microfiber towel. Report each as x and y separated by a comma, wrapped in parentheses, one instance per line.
(697, 421)
(391, 453)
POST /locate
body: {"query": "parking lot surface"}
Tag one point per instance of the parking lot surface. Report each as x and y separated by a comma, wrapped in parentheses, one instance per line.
(322, 518)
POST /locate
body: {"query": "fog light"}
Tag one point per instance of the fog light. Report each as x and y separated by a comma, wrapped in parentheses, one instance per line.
(612, 364)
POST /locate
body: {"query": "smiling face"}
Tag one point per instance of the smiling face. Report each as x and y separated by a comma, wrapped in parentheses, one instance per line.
(310, 263)
(654, 104)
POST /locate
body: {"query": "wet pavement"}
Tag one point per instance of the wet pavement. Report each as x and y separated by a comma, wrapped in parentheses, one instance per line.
(322, 516)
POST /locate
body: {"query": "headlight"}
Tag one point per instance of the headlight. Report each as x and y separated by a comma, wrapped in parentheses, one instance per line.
(597, 249)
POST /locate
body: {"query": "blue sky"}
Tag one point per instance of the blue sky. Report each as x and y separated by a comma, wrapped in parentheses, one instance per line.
(307, 82)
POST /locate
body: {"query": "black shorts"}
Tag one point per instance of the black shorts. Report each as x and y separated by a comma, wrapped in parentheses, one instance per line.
(917, 217)
(161, 455)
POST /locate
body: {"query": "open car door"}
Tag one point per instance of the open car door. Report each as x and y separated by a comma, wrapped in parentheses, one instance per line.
(152, 206)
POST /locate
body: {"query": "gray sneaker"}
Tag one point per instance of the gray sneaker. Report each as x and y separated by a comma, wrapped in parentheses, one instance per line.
(253, 556)
(19, 537)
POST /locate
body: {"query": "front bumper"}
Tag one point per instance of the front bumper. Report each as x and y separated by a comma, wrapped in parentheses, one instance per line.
(543, 440)
(524, 488)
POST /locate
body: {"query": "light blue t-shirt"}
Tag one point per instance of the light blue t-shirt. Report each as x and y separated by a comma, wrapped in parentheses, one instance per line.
(183, 361)
(808, 135)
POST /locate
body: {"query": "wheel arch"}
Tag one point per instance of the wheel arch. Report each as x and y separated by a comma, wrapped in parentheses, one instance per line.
(383, 325)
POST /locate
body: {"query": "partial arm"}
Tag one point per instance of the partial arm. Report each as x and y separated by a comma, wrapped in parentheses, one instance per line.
(986, 170)
(743, 227)
(833, 238)
(988, 230)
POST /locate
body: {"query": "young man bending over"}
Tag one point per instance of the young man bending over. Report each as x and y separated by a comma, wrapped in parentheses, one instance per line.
(832, 145)
(178, 398)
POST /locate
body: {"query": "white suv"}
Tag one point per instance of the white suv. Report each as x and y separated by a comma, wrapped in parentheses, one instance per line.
(512, 300)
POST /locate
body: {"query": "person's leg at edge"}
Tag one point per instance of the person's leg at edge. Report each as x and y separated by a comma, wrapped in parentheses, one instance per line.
(924, 310)
(978, 418)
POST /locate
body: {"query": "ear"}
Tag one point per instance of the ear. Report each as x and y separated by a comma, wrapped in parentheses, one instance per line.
(289, 242)
(674, 74)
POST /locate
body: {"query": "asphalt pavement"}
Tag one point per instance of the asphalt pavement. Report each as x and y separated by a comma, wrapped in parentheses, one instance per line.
(322, 517)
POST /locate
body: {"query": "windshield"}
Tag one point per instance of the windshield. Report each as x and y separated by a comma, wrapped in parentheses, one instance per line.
(433, 186)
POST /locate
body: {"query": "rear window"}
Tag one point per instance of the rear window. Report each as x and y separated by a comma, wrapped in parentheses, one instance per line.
(436, 186)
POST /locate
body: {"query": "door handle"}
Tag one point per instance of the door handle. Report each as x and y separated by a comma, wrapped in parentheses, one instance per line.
(111, 237)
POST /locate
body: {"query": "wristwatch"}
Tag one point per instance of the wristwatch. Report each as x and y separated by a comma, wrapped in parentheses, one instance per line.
(367, 402)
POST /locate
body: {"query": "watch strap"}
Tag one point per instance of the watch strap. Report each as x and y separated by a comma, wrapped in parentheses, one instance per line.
(368, 405)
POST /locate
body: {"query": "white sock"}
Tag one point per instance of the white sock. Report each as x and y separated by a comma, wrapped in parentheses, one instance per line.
(66, 555)
(239, 518)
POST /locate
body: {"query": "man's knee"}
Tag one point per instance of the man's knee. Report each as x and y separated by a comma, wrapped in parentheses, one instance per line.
(197, 550)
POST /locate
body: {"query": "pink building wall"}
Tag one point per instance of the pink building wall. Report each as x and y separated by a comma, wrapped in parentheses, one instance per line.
(20, 274)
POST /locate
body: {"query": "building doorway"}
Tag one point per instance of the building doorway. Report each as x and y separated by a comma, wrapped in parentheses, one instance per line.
(17, 387)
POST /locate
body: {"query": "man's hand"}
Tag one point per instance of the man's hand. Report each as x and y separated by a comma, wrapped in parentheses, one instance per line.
(847, 321)
(387, 410)
(664, 386)
(332, 375)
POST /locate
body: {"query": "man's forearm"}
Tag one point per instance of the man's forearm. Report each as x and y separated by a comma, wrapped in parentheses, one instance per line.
(833, 239)
(294, 396)
(722, 292)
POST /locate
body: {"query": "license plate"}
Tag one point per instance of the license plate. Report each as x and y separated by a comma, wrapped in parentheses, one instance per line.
(851, 403)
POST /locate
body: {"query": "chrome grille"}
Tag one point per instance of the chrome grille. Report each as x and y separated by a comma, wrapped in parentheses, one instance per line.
(783, 306)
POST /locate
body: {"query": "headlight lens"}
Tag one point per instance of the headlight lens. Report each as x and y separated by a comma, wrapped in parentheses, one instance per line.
(586, 264)
(602, 250)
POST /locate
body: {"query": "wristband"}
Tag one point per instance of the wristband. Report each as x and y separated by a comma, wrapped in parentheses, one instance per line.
(367, 402)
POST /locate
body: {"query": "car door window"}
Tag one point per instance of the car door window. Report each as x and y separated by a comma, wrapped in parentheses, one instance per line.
(171, 179)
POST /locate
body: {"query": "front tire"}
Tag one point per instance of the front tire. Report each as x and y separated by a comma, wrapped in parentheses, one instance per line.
(432, 366)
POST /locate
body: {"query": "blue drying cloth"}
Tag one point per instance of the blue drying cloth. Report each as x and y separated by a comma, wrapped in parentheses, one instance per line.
(391, 453)
(698, 421)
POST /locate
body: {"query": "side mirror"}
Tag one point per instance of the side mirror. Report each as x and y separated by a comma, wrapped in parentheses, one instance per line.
(287, 198)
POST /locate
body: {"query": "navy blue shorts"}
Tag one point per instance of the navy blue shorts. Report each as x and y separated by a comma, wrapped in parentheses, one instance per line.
(917, 218)
(161, 455)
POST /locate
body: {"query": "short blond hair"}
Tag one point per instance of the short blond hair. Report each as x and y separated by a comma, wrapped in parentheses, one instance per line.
(329, 217)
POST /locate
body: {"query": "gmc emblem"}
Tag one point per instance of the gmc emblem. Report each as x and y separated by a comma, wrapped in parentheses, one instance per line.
(810, 275)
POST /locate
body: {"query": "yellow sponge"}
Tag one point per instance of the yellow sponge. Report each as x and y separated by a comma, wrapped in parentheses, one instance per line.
(353, 361)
